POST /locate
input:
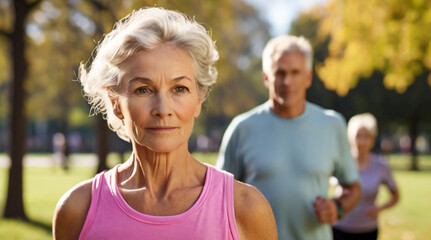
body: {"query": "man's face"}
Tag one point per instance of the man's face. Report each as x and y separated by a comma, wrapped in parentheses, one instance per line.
(288, 80)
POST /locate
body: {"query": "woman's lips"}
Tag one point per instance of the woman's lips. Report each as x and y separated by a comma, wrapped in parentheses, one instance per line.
(160, 129)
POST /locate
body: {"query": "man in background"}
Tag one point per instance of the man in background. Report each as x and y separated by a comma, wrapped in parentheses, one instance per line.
(289, 148)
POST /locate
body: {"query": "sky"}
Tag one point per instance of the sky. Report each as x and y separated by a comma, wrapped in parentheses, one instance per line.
(281, 13)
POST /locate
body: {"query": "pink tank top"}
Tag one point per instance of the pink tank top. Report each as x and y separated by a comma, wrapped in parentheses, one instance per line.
(211, 217)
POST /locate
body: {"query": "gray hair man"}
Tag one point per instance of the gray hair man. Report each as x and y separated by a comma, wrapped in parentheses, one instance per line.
(289, 148)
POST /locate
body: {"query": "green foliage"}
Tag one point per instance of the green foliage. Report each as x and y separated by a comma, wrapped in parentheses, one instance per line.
(371, 93)
(366, 36)
(78, 117)
(53, 56)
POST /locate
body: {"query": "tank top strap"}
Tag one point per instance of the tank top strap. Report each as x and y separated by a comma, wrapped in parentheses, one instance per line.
(229, 183)
(226, 181)
(96, 188)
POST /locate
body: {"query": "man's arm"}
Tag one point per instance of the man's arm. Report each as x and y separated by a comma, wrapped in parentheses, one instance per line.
(227, 158)
(345, 170)
(326, 209)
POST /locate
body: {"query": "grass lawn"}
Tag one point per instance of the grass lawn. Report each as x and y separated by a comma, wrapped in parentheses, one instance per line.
(43, 186)
(410, 219)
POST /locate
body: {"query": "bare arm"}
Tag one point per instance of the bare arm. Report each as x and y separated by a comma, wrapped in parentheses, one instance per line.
(395, 195)
(326, 209)
(253, 213)
(71, 211)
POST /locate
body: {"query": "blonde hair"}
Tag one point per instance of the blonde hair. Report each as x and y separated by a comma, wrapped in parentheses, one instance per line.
(286, 44)
(139, 31)
(364, 120)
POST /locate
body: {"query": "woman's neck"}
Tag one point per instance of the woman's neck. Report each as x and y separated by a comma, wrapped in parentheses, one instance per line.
(363, 160)
(159, 173)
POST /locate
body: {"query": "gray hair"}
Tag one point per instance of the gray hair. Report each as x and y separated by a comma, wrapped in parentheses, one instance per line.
(142, 30)
(364, 120)
(286, 44)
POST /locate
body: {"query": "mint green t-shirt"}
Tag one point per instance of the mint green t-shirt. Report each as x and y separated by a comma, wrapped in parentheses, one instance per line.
(290, 161)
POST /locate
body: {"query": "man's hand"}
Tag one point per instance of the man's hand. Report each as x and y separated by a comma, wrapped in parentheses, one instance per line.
(325, 210)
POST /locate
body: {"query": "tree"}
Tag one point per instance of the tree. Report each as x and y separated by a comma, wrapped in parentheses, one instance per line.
(385, 36)
(14, 207)
(410, 108)
(366, 36)
(55, 48)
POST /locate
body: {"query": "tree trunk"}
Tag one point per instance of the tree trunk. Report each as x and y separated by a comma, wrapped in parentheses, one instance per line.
(14, 207)
(102, 143)
(413, 125)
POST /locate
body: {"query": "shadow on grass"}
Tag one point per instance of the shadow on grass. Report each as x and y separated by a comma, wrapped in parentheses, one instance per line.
(42, 225)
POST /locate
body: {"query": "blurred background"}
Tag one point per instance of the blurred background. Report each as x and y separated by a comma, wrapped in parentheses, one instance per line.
(370, 56)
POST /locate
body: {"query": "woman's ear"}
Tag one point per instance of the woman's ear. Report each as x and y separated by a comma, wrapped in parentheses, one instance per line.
(199, 108)
(115, 101)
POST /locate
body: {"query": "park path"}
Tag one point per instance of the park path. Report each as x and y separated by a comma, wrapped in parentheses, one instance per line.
(49, 160)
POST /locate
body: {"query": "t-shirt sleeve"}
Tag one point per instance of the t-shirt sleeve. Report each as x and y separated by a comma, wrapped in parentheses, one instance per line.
(228, 158)
(388, 178)
(345, 169)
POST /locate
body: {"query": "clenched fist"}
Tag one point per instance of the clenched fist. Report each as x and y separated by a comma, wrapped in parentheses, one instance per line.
(325, 210)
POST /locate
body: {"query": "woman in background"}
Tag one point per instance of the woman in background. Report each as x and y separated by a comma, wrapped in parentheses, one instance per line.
(362, 221)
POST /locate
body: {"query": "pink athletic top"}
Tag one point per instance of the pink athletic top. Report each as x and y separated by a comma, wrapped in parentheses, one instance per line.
(211, 217)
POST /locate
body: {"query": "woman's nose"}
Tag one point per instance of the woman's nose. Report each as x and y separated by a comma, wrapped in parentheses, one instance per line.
(162, 105)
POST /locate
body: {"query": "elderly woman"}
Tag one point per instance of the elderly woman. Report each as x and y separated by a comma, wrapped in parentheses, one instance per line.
(361, 222)
(150, 76)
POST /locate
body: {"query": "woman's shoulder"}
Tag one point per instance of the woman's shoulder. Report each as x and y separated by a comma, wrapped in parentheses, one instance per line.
(379, 160)
(71, 211)
(76, 195)
(253, 213)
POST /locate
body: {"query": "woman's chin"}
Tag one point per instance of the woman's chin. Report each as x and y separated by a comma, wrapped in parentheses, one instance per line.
(162, 146)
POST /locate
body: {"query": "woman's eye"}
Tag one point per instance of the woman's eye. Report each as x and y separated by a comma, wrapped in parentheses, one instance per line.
(143, 90)
(181, 89)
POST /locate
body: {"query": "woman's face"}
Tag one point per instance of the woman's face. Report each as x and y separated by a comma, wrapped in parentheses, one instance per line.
(158, 98)
(364, 140)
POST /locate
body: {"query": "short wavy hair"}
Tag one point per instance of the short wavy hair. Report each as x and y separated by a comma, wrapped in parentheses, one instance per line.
(139, 31)
(286, 44)
(364, 120)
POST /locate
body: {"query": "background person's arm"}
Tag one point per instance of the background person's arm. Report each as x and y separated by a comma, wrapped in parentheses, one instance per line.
(228, 159)
(374, 211)
(326, 209)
